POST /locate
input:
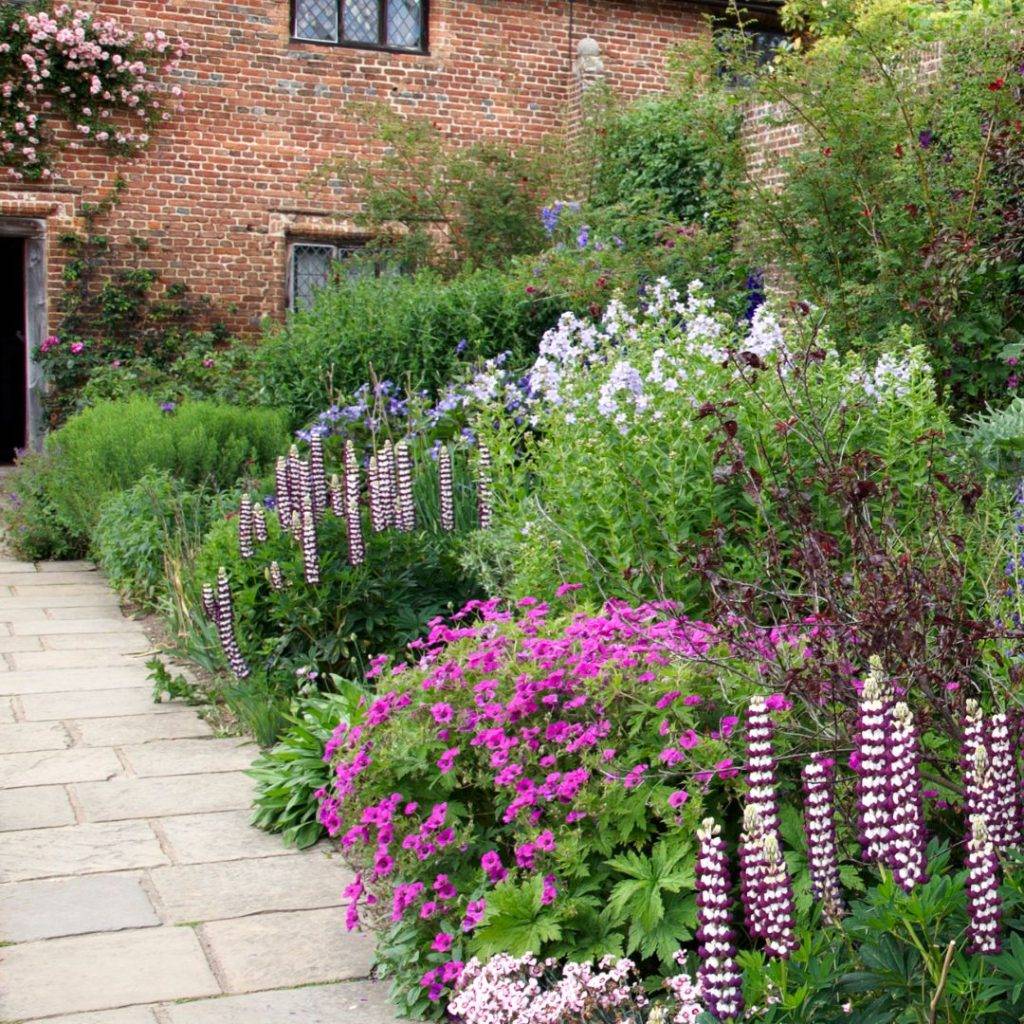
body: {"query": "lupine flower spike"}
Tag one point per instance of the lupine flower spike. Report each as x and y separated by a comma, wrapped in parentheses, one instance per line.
(225, 621)
(446, 492)
(766, 887)
(276, 576)
(405, 507)
(483, 487)
(984, 908)
(259, 523)
(375, 487)
(388, 484)
(820, 829)
(245, 527)
(283, 501)
(310, 555)
(907, 837)
(1004, 827)
(294, 477)
(353, 517)
(209, 603)
(336, 495)
(317, 477)
(974, 763)
(718, 977)
(874, 726)
(296, 530)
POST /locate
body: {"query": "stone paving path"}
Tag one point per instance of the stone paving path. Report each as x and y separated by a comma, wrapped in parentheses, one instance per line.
(132, 889)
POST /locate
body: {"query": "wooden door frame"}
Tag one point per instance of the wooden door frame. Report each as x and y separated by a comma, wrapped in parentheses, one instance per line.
(33, 231)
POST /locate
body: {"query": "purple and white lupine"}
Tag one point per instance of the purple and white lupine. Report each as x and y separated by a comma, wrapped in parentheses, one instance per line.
(1004, 827)
(446, 489)
(405, 506)
(276, 576)
(388, 484)
(295, 483)
(984, 907)
(310, 553)
(259, 523)
(353, 517)
(761, 807)
(336, 497)
(375, 490)
(209, 602)
(765, 887)
(281, 493)
(718, 978)
(245, 527)
(317, 476)
(483, 487)
(820, 828)
(874, 729)
(991, 776)
(973, 749)
(908, 840)
(225, 621)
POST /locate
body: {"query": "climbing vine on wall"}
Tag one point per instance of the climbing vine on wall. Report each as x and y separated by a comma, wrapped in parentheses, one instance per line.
(98, 80)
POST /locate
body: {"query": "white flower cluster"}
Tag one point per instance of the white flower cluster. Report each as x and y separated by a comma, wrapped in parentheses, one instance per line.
(892, 375)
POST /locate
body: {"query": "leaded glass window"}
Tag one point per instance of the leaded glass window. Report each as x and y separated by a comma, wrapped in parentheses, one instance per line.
(392, 24)
(315, 264)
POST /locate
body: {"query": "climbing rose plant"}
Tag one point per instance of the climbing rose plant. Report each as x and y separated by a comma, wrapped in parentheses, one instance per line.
(98, 77)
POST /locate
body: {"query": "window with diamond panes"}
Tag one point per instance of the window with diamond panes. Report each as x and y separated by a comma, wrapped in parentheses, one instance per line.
(396, 24)
(314, 264)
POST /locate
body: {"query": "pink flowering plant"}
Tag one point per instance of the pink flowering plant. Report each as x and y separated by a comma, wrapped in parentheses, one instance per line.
(99, 79)
(533, 785)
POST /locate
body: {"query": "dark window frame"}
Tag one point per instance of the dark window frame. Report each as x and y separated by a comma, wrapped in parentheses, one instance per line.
(381, 46)
(343, 247)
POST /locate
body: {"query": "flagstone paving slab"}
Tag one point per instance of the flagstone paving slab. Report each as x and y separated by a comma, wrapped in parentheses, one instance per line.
(224, 835)
(9, 565)
(70, 566)
(35, 807)
(49, 579)
(208, 892)
(95, 972)
(33, 736)
(156, 798)
(56, 767)
(105, 657)
(14, 644)
(275, 950)
(98, 613)
(347, 1002)
(73, 906)
(85, 848)
(128, 1015)
(103, 677)
(135, 729)
(135, 700)
(190, 756)
(125, 641)
(57, 597)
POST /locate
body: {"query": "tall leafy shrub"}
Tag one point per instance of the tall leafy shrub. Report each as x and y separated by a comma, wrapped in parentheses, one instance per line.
(108, 447)
(408, 329)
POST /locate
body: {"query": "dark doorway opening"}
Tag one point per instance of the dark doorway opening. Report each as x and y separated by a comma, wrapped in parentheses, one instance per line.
(13, 349)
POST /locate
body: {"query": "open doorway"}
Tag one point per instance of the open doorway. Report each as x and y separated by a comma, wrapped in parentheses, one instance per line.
(13, 349)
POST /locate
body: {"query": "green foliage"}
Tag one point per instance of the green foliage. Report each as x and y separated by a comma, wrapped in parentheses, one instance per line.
(997, 438)
(898, 958)
(289, 775)
(652, 155)
(406, 329)
(627, 498)
(32, 523)
(897, 204)
(108, 447)
(434, 202)
(138, 526)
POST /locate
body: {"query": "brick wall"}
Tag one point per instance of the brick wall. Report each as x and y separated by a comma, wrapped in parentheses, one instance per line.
(221, 190)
